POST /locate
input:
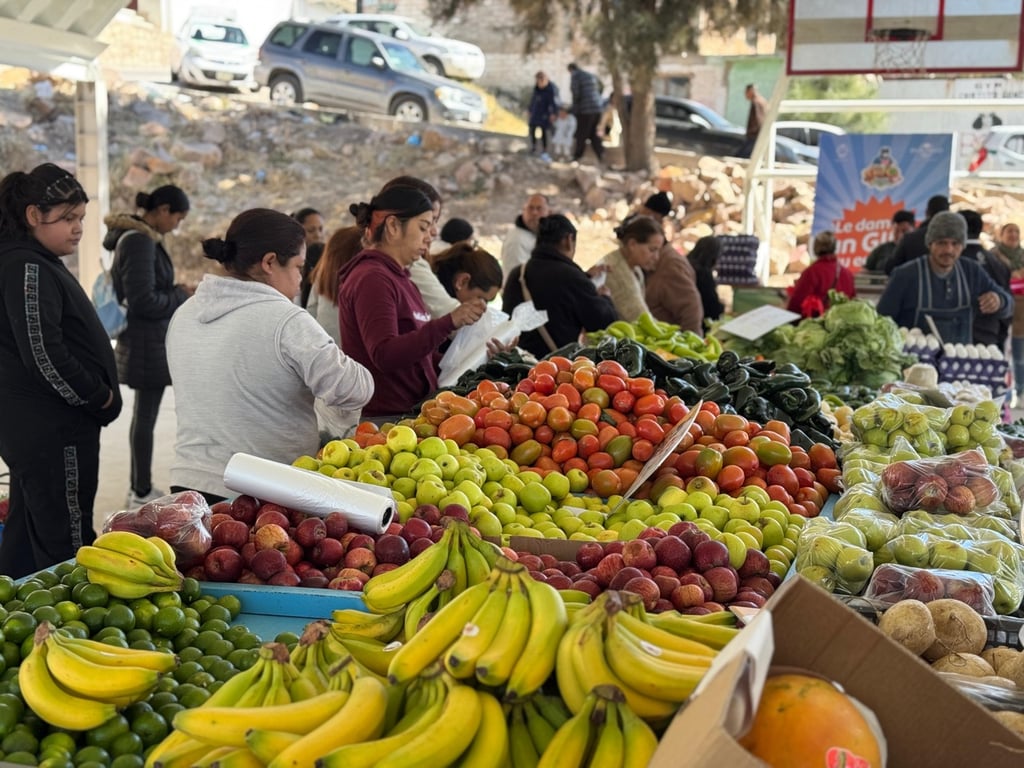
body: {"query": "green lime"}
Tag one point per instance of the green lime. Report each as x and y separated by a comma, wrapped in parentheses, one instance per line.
(92, 754)
(3, 613)
(128, 761)
(190, 699)
(20, 740)
(48, 613)
(215, 625)
(120, 616)
(127, 744)
(185, 670)
(11, 702)
(160, 698)
(9, 717)
(35, 724)
(142, 645)
(69, 610)
(46, 578)
(242, 658)
(22, 758)
(60, 592)
(8, 589)
(151, 727)
(191, 589)
(168, 711)
(13, 605)
(201, 605)
(104, 735)
(93, 617)
(192, 622)
(26, 646)
(185, 638)
(60, 740)
(164, 643)
(288, 638)
(18, 626)
(26, 588)
(163, 599)
(61, 570)
(37, 598)
(77, 575)
(191, 612)
(233, 603)
(217, 611)
(249, 641)
(114, 640)
(75, 629)
(91, 595)
(222, 669)
(190, 654)
(144, 615)
(52, 755)
(137, 634)
(108, 631)
(202, 678)
(116, 601)
(169, 621)
(204, 640)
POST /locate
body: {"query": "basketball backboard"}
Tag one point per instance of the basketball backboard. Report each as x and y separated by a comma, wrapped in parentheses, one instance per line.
(904, 37)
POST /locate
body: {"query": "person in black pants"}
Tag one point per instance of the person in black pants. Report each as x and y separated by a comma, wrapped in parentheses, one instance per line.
(143, 277)
(588, 107)
(58, 379)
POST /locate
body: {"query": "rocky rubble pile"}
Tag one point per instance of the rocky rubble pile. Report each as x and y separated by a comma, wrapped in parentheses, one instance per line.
(230, 153)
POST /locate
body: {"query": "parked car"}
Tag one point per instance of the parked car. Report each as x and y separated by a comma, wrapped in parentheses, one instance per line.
(211, 51)
(1002, 150)
(690, 125)
(351, 69)
(805, 131)
(442, 55)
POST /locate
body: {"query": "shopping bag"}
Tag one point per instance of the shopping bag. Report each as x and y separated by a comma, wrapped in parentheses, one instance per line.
(468, 349)
(111, 311)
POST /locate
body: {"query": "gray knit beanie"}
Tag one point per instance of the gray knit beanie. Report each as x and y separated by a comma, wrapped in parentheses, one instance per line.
(946, 226)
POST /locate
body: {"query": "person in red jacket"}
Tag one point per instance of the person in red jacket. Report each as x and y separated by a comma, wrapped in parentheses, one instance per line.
(809, 296)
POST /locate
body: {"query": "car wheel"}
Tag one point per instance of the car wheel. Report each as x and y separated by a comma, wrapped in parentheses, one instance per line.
(409, 109)
(434, 66)
(285, 91)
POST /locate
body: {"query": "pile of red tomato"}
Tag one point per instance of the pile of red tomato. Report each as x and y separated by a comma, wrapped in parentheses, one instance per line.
(593, 417)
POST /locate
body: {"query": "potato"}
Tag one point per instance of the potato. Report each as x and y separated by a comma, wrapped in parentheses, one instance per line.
(958, 629)
(1012, 720)
(999, 655)
(1014, 669)
(963, 664)
(909, 623)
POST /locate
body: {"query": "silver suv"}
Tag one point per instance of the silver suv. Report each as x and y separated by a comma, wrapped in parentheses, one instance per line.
(347, 68)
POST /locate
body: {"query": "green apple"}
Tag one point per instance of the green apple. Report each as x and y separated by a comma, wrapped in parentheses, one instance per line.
(594, 517)
(737, 548)
(529, 476)
(513, 483)
(876, 436)
(751, 537)
(1008, 596)
(849, 533)
(405, 486)
(717, 516)
(343, 473)
(671, 495)
(452, 447)
(699, 500)
(503, 496)
(592, 529)
(769, 512)
(473, 492)
(372, 477)
(449, 466)
(915, 423)
(370, 465)
(454, 497)
(987, 410)
(581, 536)
(910, 550)
(491, 487)
(401, 438)
(514, 529)
(505, 513)
(949, 555)
(401, 463)
(708, 527)
(422, 468)
(431, 448)
(356, 456)
(578, 480)
(487, 523)
(639, 509)
(555, 533)
(558, 484)
(683, 511)
(430, 491)
(307, 462)
(854, 567)
(381, 453)
(745, 509)
(822, 550)
(663, 520)
(404, 510)
(819, 575)
(772, 533)
(631, 529)
(474, 475)
(571, 524)
(330, 469)
(757, 493)
(336, 453)
(541, 517)
(962, 414)
(523, 519)
(535, 497)
(957, 436)
(494, 468)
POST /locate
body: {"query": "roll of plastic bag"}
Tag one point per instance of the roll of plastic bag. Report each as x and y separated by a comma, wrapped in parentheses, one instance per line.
(366, 507)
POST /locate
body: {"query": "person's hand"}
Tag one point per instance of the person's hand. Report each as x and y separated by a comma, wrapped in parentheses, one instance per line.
(597, 270)
(604, 291)
(494, 346)
(468, 312)
(989, 302)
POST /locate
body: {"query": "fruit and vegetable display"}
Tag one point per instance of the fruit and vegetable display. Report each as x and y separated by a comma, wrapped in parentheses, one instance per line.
(665, 339)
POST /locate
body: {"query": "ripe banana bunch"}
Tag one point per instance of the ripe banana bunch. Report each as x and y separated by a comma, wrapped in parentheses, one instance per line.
(442, 723)
(605, 732)
(385, 627)
(263, 685)
(466, 556)
(500, 632)
(130, 566)
(532, 724)
(78, 684)
(607, 644)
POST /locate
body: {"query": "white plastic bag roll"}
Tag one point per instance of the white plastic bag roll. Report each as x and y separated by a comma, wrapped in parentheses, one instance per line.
(366, 507)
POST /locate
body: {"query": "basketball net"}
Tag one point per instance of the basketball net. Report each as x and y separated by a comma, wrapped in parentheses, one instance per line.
(899, 52)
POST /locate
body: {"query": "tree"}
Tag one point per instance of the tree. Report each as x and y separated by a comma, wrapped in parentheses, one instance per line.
(838, 87)
(631, 36)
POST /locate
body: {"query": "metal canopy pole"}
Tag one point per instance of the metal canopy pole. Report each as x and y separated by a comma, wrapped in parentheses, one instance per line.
(93, 170)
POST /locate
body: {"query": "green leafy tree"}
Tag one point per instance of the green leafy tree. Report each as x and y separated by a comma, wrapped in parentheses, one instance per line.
(838, 87)
(631, 36)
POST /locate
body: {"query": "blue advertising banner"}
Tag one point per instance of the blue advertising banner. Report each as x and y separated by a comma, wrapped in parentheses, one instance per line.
(864, 179)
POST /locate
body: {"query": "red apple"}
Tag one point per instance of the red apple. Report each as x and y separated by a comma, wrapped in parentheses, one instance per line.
(248, 550)
(285, 578)
(348, 585)
(361, 559)
(327, 551)
(415, 528)
(589, 554)
(271, 536)
(419, 546)
(391, 548)
(428, 512)
(219, 518)
(310, 531)
(639, 553)
(380, 568)
(230, 533)
(267, 562)
(337, 525)
(353, 573)
(625, 575)
(646, 588)
(220, 507)
(245, 508)
(294, 552)
(272, 515)
(361, 541)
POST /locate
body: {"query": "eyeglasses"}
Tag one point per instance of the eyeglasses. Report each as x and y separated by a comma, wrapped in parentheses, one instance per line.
(63, 189)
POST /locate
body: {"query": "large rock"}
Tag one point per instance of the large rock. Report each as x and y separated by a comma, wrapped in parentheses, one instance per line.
(206, 154)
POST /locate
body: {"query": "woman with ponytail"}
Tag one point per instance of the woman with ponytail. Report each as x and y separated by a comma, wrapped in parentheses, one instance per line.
(247, 362)
(143, 277)
(58, 379)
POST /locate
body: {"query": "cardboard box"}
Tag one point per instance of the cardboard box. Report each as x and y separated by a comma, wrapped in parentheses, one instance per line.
(926, 721)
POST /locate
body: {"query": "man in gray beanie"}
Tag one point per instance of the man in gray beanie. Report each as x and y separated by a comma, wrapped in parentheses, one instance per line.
(942, 288)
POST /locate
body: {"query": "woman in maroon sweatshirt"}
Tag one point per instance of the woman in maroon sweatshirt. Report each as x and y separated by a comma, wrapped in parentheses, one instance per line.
(383, 320)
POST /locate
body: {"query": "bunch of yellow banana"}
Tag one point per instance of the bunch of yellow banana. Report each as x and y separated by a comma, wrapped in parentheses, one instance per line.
(502, 632)
(609, 642)
(130, 566)
(532, 723)
(443, 723)
(78, 684)
(466, 556)
(605, 732)
(264, 685)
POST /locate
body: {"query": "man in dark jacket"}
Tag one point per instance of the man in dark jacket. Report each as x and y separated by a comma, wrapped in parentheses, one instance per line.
(543, 109)
(588, 107)
(912, 244)
(988, 329)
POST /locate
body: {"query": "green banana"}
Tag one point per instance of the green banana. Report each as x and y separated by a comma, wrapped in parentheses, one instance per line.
(375, 626)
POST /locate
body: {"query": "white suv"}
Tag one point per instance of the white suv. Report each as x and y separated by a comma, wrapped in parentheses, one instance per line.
(211, 51)
(442, 55)
(1003, 150)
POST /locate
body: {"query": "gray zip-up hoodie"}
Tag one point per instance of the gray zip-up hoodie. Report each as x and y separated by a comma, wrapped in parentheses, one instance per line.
(247, 364)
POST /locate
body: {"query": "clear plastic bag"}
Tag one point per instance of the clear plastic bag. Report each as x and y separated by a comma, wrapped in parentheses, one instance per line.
(963, 483)
(833, 563)
(181, 519)
(891, 583)
(468, 349)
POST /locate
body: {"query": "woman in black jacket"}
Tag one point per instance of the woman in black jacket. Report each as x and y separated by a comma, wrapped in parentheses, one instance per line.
(704, 258)
(58, 380)
(143, 277)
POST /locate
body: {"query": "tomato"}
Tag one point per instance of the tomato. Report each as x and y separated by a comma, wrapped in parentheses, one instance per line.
(463, 405)
(686, 464)
(561, 363)
(709, 462)
(822, 456)
(584, 378)
(563, 377)
(731, 478)
(605, 435)
(611, 384)
(649, 404)
(587, 445)
(781, 474)
(520, 433)
(736, 437)
(478, 419)
(581, 427)
(518, 400)
(572, 396)
(612, 367)
(649, 429)
(589, 412)
(595, 396)
(642, 450)
(620, 448)
(501, 419)
(711, 407)
(705, 420)
(605, 482)
(640, 387)
(676, 410)
(458, 427)
(544, 368)
(775, 436)
(554, 400)
(564, 449)
(544, 383)
(627, 476)
(496, 436)
(778, 493)
(805, 477)
(627, 428)
(623, 402)
(779, 427)
(559, 418)
(543, 434)
(831, 478)
(769, 452)
(575, 463)
(600, 460)
(526, 453)
(740, 456)
(795, 508)
(800, 458)
(525, 385)
(533, 414)
(728, 422)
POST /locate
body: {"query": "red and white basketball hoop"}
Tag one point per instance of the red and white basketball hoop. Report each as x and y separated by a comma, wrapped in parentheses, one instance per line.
(900, 51)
